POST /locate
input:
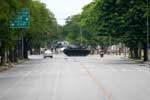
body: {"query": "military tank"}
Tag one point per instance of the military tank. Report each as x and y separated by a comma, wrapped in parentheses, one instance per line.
(74, 50)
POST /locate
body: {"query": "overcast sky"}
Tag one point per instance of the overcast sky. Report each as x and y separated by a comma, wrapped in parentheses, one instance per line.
(64, 8)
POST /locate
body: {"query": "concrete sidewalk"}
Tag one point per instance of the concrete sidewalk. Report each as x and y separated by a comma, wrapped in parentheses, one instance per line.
(141, 61)
(6, 67)
(147, 62)
(136, 60)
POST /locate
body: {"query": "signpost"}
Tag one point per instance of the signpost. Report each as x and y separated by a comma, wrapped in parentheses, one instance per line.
(21, 21)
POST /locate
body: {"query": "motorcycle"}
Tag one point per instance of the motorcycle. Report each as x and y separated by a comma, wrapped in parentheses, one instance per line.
(101, 54)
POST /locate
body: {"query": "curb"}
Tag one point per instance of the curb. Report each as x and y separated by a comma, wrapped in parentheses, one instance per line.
(138, 61)
(147, 62)
(6, 67)
(9, 66)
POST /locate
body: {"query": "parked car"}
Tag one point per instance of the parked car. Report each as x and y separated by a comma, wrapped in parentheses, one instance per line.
(48, 53)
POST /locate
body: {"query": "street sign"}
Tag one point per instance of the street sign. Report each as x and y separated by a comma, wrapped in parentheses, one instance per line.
(21, 20)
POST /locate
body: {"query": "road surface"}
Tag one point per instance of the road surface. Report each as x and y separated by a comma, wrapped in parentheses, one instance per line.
(76, 78)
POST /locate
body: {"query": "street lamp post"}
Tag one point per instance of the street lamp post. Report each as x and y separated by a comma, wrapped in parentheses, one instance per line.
(81, 37)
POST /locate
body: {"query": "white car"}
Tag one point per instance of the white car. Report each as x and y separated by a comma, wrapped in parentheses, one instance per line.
(48, 53)
(62, 49)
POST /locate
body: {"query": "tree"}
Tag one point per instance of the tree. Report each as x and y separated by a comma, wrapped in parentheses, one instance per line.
(7, 8)
(120, 20)
(41, 22)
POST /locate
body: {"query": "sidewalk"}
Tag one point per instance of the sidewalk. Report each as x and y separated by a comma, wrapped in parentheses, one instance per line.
(137, 61)
(147, 62)
(6, 67)
(141, 61)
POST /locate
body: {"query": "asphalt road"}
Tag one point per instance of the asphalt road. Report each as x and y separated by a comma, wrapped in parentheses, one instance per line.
(76, 78)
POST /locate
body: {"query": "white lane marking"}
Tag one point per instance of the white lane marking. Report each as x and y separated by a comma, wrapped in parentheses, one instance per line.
(55, 85)
(15, 84)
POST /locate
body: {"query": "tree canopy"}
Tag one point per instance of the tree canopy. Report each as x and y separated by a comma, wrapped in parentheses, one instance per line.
(42, 24)
(123, 21)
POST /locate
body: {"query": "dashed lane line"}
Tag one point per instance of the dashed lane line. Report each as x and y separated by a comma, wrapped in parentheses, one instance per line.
(17, 83)
(98, 82)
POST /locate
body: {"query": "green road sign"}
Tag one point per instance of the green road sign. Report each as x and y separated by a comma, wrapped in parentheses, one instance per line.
(21, 20)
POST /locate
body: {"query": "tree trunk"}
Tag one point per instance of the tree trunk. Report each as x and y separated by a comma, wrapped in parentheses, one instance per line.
(131, 53)
(2, 53)
(145, 53)
(26, 47)
(2, 57)
(25, 53)
(136, 56)
(18, 51)
(11, 55)
(140, 50)
(15, 54)
(31, 52)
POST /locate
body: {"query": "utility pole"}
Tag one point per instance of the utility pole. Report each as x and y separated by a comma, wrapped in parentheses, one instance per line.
(81, 35)
(148, 44)
(22, 43)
